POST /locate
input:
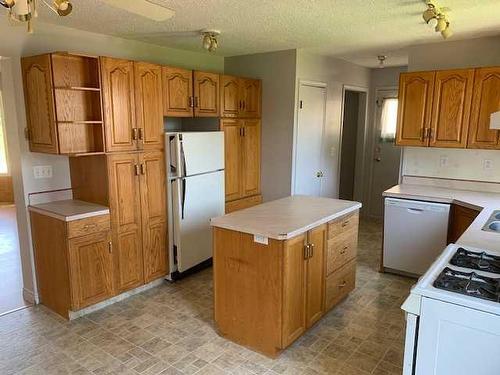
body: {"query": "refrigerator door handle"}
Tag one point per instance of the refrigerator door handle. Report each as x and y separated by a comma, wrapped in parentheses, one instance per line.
(182, 162)
(183, 197)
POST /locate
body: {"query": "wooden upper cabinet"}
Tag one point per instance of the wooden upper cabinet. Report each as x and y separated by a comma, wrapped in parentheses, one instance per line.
(91, 269)
(154, 214)
(230, 96)
(119, 104)
(415, 108)
(125, 204)
(251, 98)
(251, 157)
(39, 102)
(232, 163)
(315, 304)
(206, 94)
(451, 108)
(485, 101)
(178, 99)
(149, 105)
(294, 289)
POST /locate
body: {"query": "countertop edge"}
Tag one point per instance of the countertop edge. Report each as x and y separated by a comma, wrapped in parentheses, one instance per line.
(70, 217)
(286, 236)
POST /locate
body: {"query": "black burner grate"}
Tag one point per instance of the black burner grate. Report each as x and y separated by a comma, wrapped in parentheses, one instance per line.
(477, 261)
(469, 284)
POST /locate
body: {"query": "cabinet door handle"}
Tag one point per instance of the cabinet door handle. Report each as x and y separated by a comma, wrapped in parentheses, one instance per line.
(343, 251)
(306, 251)
(143, 168)
(141, 133)
(191, 102)
(89, 226)
(196, 101)
(243, 129)
(345, 223)
(137, 171)
(110, 247)
(344, 283)
(134, 133)
(311, 254)
(239, 105)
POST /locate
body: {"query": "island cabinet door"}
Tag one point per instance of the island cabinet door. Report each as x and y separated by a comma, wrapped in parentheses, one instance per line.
(315, 274)
(294, 288)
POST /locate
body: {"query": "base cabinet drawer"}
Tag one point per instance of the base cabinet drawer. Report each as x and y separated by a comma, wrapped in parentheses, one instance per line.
(89, 225)
(346, 224)
(341, 249)
(340, 283)
(241, 204)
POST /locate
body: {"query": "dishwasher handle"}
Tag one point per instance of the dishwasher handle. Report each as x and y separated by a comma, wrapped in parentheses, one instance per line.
(415, 210)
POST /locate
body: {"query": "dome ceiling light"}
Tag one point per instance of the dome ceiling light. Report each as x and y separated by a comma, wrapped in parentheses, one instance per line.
(209, 39)
(435, 15)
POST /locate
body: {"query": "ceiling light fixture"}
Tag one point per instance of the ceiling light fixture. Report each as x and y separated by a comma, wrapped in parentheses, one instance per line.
(381, 61)
(25, 10)
(209, 40)
(437, 16)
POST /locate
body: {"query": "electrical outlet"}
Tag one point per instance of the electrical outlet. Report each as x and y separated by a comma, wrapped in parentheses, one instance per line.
(42, 171)
(443, 161)
(487, 164)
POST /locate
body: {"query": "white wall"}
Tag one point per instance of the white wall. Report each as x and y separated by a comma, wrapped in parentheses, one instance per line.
(464, 164)
(15, 43)
(335, 73)
(277, 71)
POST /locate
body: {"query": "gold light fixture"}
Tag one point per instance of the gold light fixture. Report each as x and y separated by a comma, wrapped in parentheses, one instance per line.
(381, 61)
(209, 39)
(25, 10)
(437, 15)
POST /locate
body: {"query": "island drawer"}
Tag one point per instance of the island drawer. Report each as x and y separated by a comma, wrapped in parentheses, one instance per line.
(341, 249)
(88, 225)
(348, 223)
(340, 283)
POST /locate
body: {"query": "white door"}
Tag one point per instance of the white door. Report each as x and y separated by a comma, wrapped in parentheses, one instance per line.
(309, 140)
(386, 155)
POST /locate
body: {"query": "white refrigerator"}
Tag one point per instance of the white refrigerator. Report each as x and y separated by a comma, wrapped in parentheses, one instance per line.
(195, 165)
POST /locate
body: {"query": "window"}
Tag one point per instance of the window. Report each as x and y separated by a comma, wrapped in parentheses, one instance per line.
(388, 119)
(3, 142)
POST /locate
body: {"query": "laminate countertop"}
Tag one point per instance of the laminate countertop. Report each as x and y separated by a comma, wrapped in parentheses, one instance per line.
(285, 218)
(484, 202)
(69, 210)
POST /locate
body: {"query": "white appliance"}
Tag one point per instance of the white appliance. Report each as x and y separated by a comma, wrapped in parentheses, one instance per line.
(415, 233)
(195, 165)
(453, 316)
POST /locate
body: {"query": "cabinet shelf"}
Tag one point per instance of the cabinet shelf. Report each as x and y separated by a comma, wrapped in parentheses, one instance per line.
(77, 88)
(81, 122)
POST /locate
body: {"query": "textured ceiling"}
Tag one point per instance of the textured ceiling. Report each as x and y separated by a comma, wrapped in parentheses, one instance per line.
(356, 30)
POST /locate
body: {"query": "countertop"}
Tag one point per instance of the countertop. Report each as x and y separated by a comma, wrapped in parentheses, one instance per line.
(285, 218)
(484, 202)
(69, 210)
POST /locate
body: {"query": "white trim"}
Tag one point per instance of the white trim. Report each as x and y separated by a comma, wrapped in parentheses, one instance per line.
(30, 297)
(309, 83)
(360, 89)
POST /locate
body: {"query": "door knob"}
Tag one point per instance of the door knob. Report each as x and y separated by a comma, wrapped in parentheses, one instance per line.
(319, 174)
(378, 159)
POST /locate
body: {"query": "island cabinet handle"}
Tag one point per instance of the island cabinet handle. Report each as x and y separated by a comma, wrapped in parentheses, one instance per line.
(345, 223)
(90, 226)
(343, 251)
(344, 283)
(306, 251)
(312, 250)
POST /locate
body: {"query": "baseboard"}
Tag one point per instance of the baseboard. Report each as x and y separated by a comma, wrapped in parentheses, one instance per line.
(29, 296)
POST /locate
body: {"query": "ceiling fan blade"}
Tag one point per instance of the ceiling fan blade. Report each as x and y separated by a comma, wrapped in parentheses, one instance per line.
(151, 9)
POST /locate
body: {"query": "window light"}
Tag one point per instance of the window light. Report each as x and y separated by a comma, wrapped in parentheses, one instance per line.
(389, 119)
(3, 142)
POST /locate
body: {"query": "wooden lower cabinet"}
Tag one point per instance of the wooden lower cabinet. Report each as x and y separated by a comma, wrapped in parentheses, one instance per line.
(460, 219)
(267, 296)
(72, 273)
(240, 204)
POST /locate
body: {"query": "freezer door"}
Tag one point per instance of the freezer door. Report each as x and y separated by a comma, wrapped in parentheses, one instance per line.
(415, 233)
(196, 200)
(202, 152)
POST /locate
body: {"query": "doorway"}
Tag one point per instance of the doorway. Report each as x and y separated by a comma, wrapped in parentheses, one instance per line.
(11, 280)
(308, 171)
(386, 161)
(352, 143)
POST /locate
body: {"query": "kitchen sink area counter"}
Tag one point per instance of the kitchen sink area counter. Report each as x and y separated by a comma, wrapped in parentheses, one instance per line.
(280, 266)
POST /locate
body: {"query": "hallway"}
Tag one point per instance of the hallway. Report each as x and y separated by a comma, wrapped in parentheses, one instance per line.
(11, 280)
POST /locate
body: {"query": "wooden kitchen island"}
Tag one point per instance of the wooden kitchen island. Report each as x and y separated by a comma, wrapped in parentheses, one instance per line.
(280, 266)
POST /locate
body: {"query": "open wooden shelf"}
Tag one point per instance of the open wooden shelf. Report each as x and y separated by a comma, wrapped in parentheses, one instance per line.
(75, 88)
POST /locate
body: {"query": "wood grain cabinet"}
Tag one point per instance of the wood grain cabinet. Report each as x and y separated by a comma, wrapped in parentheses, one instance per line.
(485, 101)
(460, 219)
(132, 97)
(189, 93)
(240, 97)
(449, 108)
(242, 139)
(63, 104)
(74, 267)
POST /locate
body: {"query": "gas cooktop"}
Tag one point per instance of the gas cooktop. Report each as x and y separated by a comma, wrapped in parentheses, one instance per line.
(469, 283)
(481, 261)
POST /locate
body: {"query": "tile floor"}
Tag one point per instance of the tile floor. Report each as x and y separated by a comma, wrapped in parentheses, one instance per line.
(11, 279)
(169, 330)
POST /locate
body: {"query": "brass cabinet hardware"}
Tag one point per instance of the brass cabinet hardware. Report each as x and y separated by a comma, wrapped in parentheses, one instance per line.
(134, 133)
(243, 104)
(196, 102)
(306, 251)
(344, 283)
(143, 168)
(141, 133)
(240, 106)
(137, 171)
(343, 251)
(311, 246)
(110, 247)
(345, 223)
(191, 102)
(89, 226)
(243, 128)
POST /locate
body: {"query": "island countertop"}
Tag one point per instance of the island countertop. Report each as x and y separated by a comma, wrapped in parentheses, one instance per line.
(287, 217)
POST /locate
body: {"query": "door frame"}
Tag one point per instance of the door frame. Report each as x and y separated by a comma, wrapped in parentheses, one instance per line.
(366, 91)
(309, 83)
(374, 125)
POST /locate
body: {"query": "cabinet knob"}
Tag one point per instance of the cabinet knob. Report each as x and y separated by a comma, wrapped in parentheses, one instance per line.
(110, 247)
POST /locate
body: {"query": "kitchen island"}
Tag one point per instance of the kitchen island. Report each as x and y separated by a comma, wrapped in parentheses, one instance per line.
(279, 266)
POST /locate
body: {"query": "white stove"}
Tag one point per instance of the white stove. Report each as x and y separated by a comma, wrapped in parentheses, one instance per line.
(453, 315)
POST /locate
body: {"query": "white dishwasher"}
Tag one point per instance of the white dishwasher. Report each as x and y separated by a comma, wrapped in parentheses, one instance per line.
(415, 234)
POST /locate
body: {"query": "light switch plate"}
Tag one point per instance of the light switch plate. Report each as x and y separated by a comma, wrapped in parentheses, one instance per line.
(443, 161)
(42, 171)
(487, 164)
(261, 239)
